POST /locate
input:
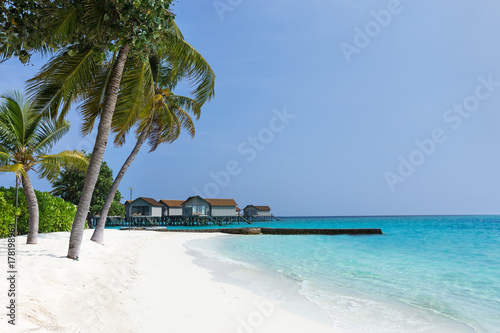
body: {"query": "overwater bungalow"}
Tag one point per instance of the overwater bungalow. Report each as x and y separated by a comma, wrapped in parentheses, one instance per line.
(195, 211)
(172, 207)
(252, 210)
(144, 207)
(198, 206)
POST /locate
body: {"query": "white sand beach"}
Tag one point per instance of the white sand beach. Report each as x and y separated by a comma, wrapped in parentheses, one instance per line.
(139, 281)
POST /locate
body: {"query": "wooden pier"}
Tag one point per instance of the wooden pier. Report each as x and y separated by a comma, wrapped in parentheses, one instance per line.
(148, 221)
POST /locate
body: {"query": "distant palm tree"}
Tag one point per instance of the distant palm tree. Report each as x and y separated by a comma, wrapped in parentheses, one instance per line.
(26, 138)
(160, 120)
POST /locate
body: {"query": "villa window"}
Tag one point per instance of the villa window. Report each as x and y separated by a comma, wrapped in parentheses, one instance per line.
(199, 210)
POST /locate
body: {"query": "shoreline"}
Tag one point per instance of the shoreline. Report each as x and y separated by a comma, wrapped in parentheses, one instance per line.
(139, 281)
(280, 290)
(347, 309)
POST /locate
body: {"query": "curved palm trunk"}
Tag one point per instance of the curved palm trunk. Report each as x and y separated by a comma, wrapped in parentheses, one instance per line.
(75, 240)
(32, 202)
(98, 235)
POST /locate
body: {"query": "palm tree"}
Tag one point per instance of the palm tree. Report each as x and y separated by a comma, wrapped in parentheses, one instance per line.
(26, 138)
(106, 37)
(159, 121)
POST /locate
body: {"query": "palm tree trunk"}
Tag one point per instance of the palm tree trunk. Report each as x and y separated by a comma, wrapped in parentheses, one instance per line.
(98, 235)
(75, 240)
(32, 202)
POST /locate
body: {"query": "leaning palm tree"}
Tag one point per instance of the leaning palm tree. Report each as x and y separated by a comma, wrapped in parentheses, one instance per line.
(25, 140)
(159, 121)
(99, 39)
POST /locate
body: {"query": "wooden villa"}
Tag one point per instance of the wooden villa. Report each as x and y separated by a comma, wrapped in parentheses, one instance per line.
(197, 206)
(194, 211)
(172, 207)
(143, 207)
(252, 210)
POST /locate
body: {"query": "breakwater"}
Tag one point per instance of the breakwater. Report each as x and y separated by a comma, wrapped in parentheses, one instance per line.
(268, 231)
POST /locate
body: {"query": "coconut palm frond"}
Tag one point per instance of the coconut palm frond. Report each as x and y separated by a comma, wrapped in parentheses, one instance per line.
(5, 158)
(168, 127)
(176, 29)
(136, 93)
(28, 137)
(170, 76)
(181, 54)
(18, 122)
(16, 168)
(185, 121)
(63, 80)
(91, 107)
(48, 134)
(187, 103)
(8, 136)
(50, 165)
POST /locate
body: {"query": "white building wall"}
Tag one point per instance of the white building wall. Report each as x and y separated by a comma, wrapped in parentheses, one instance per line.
(263, 213)
(175, 211)
(156, 211)
(223, 211)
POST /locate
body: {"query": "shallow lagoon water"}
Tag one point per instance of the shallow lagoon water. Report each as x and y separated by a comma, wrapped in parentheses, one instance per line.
(425, 274)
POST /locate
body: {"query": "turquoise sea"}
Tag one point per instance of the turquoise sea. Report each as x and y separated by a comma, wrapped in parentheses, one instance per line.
(425, 274)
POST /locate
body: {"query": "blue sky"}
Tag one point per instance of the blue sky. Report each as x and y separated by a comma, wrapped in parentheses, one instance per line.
(331, 108)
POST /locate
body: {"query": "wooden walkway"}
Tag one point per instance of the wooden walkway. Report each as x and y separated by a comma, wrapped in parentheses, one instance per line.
(147, 221)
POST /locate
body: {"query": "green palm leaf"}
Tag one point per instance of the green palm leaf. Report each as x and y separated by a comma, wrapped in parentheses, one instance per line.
(48, 134)
(63, 80)
(182, 55)
(50, 165)
(5, 158)
(15, 119)
(26, 138)
(91, 107)
(135, 94)
(17, 168)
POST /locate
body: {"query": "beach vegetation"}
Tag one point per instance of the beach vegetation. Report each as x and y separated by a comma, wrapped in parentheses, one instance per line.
(157, 120)
(26, 138)
(95, 42)
(7, 216)
(69, 186)
(55, 214)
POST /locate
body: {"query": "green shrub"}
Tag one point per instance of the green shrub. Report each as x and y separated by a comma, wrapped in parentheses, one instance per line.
(7, 216)
(117, 209)
(55, 213)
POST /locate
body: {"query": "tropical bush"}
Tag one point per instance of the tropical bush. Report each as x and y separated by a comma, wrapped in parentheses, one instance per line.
(55, 213)
(7, 216)
(69, 187)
